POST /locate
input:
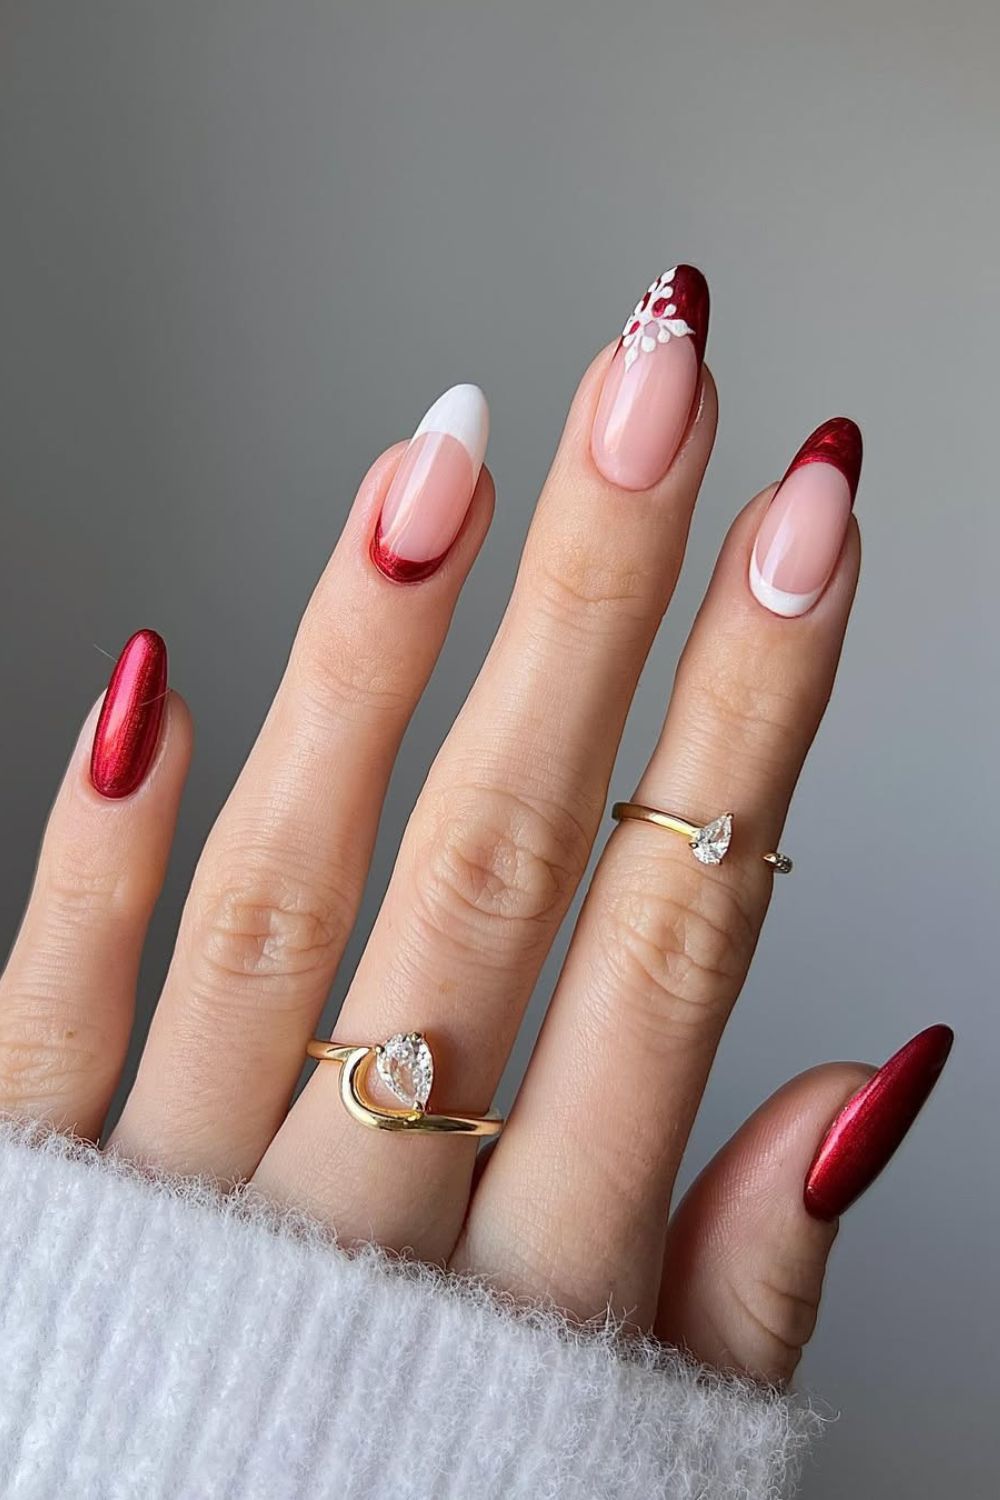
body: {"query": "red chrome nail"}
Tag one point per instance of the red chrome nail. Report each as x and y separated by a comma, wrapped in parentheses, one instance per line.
(129, 726)
(837, 442)
(870, 1127)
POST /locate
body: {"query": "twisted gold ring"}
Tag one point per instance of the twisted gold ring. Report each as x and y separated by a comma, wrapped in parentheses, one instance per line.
(405, 1065)
(709, 843)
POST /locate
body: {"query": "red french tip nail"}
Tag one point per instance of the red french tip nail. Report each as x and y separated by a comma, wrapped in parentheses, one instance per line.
(837, 442)
(870, 1127)
(128, 728)
(680, 293)
(691, 299)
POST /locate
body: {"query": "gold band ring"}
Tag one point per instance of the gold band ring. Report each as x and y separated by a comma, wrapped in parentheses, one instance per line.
(405, 1065)
(708, 843)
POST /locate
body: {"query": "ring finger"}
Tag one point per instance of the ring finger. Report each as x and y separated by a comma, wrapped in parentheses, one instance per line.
(664, 941)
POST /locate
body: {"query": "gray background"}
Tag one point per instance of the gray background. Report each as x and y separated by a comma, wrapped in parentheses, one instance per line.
(244, 245)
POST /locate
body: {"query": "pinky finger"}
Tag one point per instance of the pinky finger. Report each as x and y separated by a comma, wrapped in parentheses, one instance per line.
(747, 1248)
(68, 992)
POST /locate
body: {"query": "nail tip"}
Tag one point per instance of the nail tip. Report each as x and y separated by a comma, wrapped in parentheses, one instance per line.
(685, 287)
(461, 412)
(838, 442)
(933, 1044)
(694, 302)
(150, 644)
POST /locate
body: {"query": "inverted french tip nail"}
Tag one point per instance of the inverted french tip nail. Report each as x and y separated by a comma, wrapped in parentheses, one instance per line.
(128, 727)
(802, 533)
(652, 381)
(868, 1130)
(432, 489)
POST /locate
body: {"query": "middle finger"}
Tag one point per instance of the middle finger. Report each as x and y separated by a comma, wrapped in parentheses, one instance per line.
(503, 829)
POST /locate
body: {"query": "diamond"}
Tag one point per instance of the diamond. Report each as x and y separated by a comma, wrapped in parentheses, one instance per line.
(711, 842)
(405, 1066)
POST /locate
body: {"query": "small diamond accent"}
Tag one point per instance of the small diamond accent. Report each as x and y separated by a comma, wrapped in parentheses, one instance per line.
(711, 843)
(405, 1066)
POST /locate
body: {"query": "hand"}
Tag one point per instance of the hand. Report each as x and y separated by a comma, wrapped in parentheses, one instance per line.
(573, 1202)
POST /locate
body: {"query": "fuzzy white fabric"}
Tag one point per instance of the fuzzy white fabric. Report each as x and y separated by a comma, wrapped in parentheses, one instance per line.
(160, 1342)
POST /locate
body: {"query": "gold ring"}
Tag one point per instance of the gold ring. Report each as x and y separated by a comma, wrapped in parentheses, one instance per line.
(405, 1065)
(709, 843)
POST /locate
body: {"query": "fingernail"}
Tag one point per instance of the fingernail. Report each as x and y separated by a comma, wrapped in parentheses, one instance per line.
(128, 729)
(871, 1126)
(430, 494)
(651, 383)
(802, 533)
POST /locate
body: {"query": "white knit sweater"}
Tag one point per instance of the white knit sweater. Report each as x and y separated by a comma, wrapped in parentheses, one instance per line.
(160, 1342)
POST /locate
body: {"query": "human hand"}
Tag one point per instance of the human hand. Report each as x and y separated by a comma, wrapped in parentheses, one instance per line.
(573, 1203)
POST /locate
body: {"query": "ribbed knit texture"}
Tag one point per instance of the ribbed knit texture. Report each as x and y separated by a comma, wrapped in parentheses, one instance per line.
(163, 1343)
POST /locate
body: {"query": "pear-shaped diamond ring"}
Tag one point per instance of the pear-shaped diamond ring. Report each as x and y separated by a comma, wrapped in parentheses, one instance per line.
(709, 842)
(405, 1066)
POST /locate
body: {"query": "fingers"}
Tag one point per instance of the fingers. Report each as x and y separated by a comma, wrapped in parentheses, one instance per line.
(746, 1251)
(277, 888)
(503, 829)
(662, 946)
(67, 994)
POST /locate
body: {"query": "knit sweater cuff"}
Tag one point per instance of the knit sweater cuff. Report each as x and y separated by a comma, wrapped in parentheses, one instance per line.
(163, 1343)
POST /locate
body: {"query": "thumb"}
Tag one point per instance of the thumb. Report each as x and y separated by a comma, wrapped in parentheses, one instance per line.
(747, 1249)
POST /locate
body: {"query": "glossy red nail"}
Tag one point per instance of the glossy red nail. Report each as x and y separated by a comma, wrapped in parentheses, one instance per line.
(128, 729)
(871, 1126)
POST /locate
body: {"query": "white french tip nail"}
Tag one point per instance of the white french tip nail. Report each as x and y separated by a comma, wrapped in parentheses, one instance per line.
(777, 600)
(461, 413)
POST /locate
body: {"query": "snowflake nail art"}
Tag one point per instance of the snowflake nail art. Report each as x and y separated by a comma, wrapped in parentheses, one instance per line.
(655, 320)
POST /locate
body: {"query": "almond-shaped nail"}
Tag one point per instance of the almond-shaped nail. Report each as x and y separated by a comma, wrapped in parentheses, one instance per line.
(652, 381)
(433, 486)
(865, 1135)
(128, 728)
(802, 534)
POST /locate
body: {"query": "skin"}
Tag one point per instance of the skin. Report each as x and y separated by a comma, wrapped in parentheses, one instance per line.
(574, 1202)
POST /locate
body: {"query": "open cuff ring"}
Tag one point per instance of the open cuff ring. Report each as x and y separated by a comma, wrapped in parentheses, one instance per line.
(405, 1065)
(708, 843)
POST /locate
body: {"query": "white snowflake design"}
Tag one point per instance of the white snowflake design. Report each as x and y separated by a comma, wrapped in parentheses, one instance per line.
(654, 321)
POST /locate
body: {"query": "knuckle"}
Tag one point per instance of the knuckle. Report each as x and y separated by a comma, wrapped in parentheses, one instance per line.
(748, 710)
(676, 957)
(267, 929)
(45, 1057)
(494, 860)
(581, 584)
(341, 676)
(76, 896)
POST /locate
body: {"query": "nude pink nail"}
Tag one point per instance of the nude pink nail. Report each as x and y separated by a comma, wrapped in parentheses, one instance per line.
(802, 533)
(651, 383)
(433, 486)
